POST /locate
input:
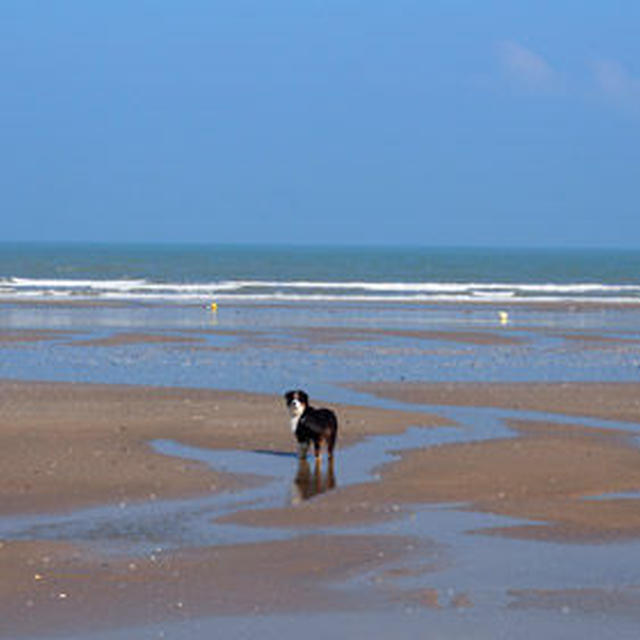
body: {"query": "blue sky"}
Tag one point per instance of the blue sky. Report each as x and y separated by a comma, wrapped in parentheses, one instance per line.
(351, 122)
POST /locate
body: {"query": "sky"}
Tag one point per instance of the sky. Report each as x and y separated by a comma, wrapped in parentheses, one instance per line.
(422, 122)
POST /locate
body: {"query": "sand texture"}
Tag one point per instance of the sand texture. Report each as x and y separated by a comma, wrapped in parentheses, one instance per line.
(67, 446)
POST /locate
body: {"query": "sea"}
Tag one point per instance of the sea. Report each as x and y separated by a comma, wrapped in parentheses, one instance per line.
(186, 274)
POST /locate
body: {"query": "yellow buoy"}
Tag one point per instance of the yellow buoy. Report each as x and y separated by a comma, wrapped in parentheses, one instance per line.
(214, 306)
(504, 317)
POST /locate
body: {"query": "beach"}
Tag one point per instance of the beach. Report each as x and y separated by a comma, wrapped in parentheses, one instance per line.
(421, 216)
(560, 469)
(485, 484)
(88, 445)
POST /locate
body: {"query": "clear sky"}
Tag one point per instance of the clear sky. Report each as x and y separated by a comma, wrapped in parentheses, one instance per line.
(457, 122)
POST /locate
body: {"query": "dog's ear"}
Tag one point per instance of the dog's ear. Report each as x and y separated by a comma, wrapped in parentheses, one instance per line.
(288, 396)
(303, 396)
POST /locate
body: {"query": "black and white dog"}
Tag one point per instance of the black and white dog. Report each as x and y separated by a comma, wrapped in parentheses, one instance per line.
(311, 425)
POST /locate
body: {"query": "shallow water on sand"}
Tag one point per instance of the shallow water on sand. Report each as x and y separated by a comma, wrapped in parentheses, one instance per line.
(267, 349)
(145, 527)
(399, 623)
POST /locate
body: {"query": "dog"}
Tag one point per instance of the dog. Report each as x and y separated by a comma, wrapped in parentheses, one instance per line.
(311, 425)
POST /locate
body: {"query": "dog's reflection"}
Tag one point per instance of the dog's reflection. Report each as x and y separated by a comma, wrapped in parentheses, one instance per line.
(310, 482)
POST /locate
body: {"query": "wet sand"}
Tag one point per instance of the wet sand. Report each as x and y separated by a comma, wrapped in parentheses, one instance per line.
(336, 334)
(312, 336)
(68, 445)
(17, 336)
(554, 478)
(606, 400)
(546, 473)
(71, 445)
(123, 339)
(59, 588)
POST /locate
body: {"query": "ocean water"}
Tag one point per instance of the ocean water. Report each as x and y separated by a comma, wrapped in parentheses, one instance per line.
(271, 274)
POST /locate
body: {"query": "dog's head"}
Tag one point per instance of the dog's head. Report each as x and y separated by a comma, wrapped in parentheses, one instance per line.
(297, 401)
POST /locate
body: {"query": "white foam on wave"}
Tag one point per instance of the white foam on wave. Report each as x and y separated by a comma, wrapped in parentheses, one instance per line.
(100, 285)
(283, 297)
(316, 291)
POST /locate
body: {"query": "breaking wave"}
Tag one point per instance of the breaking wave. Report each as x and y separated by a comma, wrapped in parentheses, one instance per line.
(296, 291)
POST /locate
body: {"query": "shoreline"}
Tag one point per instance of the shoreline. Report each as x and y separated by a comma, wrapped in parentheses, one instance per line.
(560, 304)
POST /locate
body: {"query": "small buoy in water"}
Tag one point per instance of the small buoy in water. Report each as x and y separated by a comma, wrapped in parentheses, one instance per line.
(504, 317)
(214, 306)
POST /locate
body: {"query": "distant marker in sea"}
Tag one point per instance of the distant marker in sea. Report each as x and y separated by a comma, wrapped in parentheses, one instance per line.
(504, 317)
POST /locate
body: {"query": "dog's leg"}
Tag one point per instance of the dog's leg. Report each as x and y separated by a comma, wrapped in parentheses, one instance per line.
(331, 443)
(331, 475)
(303, 447)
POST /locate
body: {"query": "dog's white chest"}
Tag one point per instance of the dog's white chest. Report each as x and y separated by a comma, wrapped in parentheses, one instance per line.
(294, 424)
